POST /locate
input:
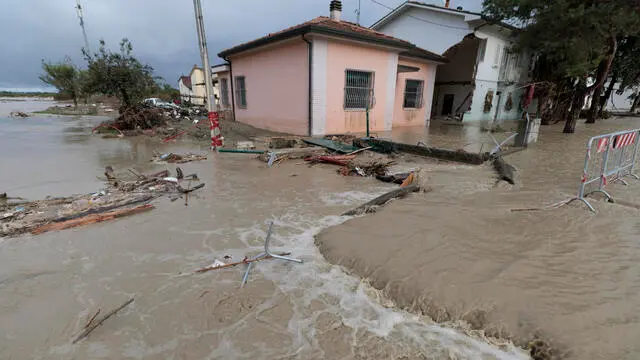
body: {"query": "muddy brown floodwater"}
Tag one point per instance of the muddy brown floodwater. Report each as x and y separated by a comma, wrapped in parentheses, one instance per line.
(460, 253)
(52, 283)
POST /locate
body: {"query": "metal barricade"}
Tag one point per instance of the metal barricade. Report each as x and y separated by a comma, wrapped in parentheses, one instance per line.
(609, 158)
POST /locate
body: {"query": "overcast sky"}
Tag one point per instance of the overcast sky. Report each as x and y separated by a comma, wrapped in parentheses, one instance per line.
(162, 31)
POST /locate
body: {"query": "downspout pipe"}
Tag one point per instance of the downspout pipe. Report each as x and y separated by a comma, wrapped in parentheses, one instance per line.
(309, 43)
(233, 96)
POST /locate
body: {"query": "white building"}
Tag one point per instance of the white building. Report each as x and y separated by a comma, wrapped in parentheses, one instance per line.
(192, 87)
(485, 78)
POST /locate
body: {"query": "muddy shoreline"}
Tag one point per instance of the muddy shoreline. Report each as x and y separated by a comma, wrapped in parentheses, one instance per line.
(551, 280)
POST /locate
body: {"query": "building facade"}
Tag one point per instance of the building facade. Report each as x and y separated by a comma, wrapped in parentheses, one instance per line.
(326, 76)
(486, 76)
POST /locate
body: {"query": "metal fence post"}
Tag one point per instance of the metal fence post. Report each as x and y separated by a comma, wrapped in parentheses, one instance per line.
(603, 175)
(584, 171)
(635, 156)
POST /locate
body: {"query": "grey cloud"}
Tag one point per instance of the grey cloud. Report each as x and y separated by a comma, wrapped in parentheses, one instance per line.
(162, 31)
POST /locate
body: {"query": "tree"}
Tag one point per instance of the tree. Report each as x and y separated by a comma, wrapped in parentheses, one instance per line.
(575, 39)
(119, 74)
(65, 77)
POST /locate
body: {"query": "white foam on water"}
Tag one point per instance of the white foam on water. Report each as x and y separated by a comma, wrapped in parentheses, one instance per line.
(350, 197)
(347, 296)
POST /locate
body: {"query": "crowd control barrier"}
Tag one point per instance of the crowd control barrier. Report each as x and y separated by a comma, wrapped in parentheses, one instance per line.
(609, 158)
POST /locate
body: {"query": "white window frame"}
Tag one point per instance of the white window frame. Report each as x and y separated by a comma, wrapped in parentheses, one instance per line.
(370, 98)
(241, 92)
(419, 94)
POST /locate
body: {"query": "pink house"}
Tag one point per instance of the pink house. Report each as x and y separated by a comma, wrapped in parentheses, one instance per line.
(320, 77)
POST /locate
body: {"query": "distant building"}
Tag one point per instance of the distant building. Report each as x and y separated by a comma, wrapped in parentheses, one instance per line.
(186, 91)
(192, 87)
(319, 77)
(485, 77)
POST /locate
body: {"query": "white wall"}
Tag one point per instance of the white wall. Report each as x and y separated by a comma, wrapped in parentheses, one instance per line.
(185, 92)
(435, 38)
(438, 39)
(459, 92)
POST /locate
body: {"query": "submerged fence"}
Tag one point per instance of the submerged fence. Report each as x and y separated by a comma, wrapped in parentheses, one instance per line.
(609, 158)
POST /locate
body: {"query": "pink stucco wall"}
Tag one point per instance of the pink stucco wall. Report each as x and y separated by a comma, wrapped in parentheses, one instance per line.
(277, 87)
(340, 57)
(410, 117)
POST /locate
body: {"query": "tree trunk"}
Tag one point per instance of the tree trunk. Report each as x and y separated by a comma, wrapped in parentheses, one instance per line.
(546, 106)
(592, 114)
(603, 72)
(576, 106)
(607, 94)
(636, 102)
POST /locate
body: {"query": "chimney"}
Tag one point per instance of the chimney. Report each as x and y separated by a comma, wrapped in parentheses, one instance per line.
(447, 3)
(335, 10)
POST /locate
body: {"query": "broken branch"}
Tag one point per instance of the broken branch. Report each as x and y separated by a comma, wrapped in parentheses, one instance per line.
(383, 199)
(88, 330)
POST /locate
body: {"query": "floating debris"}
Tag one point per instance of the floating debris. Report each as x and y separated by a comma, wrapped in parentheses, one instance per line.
(18, 114)
(91, 325)
(177, 158)
(121, 198)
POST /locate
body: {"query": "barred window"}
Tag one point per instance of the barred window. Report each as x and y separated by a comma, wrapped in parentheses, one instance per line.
(413, 94)
(224, 92)
(241, 92)
(358, 90)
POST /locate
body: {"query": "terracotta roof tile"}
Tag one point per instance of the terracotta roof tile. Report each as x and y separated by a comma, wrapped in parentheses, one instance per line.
(186, 80)
(323, 24)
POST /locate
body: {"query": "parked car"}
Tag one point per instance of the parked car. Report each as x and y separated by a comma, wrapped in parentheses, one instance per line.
(159, 103)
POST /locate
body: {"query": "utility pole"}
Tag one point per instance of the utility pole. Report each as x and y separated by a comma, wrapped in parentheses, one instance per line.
(358, 11)
(84, 32)
(216, 138)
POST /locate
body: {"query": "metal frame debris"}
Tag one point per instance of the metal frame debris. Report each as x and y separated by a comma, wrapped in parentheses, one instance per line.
(266, 254)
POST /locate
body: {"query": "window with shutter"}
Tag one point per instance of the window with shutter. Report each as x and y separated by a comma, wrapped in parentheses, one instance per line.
(358, 90)
(413, 94)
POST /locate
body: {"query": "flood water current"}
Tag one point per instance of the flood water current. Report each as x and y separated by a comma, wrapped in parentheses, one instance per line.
(52, 283)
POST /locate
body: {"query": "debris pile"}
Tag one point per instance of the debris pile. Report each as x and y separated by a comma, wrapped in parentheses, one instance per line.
(140, 117)
(366, 167)
(177, 158)
(18, 114)
(121, 198)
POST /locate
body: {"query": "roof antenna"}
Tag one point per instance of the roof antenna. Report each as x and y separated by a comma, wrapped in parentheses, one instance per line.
(357, 11)
(84, 32)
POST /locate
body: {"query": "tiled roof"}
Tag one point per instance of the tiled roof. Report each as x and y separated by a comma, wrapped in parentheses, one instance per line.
(327, 26)
(186, 80)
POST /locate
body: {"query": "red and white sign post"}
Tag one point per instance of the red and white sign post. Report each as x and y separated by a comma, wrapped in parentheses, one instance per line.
(216, 135)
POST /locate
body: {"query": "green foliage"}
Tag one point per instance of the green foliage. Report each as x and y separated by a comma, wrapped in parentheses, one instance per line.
(572, 35)
(573, 40)
(66, 77)
(626, 65)
(119, 74)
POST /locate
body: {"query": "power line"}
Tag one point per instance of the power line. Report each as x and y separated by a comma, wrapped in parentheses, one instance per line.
(421, 19)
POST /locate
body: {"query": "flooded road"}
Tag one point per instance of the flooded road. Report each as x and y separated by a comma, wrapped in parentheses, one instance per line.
(51, 284)
(567, 275)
